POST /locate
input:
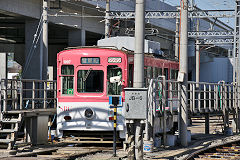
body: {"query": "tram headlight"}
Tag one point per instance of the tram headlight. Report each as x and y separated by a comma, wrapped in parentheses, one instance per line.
(89, 113)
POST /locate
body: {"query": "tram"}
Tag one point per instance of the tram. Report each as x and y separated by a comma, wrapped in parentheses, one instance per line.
(87, 77)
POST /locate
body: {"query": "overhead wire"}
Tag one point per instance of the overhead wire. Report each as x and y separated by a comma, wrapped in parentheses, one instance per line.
(33, 46)
(36, 37)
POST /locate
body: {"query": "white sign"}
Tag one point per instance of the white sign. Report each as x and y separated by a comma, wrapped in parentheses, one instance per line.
(114, 60)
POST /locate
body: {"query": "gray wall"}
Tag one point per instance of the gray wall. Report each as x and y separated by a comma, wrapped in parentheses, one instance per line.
(216, 70)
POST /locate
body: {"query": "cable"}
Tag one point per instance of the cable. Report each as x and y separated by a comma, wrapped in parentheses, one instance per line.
(76, 4)
(33, 46)
(31, 54)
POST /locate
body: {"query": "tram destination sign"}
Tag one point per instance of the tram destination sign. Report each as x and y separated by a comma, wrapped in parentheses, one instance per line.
(90, 60)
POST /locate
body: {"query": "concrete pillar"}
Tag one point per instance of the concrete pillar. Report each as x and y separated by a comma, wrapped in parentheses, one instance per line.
(27, 130)
(183, 69)
(107, 21)
(83, 37)
(207, 123)
(197, 58)
(3, 65)
(44, 44)
(76, 37)
(138, 80)
(31, 68)
(37, 129)
(19, 52)
(177, 39)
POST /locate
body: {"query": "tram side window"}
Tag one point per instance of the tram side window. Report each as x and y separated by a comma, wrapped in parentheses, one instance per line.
(174, 74)
(159, 71)
(166, 73)
(90, 81)
(114, 88)
(148, 73)
(130, 82)
(155, 72)
(67, 72)
(145, 76)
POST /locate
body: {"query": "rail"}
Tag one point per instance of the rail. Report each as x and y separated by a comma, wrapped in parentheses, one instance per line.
(27, 94)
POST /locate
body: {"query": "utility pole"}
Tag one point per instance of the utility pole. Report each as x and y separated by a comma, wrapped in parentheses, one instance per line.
(44, 45)
(107, 21)
(183, 69)
(236, 44)
(139, 44)
(236, 57)
(177, 39)
(139, 70)
(192, 4)
(197, 57)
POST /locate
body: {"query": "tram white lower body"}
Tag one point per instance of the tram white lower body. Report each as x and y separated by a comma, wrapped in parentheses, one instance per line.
(98, 122)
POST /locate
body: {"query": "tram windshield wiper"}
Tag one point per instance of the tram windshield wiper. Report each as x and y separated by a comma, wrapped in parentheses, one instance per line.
(87, 74)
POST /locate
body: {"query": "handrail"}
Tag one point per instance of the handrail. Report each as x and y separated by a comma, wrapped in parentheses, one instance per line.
(17, 92)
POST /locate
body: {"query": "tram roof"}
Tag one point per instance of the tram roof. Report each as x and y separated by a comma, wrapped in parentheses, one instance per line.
(123, 50)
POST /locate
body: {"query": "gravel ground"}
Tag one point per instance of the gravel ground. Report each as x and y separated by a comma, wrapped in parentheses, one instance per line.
(105, 155)
(199, 141)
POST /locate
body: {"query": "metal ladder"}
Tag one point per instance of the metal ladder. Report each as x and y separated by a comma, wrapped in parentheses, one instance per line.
(10, 122)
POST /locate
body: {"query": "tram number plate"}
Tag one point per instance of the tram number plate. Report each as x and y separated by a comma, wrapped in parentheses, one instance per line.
(114, 59)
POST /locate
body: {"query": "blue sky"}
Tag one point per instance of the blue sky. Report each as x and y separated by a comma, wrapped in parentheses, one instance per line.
(208, 4)
(211, 5)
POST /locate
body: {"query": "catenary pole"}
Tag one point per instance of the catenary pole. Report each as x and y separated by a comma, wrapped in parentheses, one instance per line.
(183, 69)
(138, 81)
(107, 21)
(177, 39)
(45, 40)
(197, 57)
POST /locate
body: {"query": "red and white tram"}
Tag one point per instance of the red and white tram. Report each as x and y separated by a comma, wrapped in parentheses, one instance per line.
(84, 84)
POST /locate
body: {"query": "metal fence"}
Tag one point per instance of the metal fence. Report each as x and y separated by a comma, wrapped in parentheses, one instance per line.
(164, 95)
(27, 94)
(213, 97)
(164, 101)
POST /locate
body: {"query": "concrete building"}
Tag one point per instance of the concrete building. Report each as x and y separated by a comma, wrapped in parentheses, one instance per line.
(80, 23)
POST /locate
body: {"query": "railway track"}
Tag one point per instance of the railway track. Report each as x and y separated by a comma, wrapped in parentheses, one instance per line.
(230, 152)
(66, 148)
(225, 151)
(55, 153)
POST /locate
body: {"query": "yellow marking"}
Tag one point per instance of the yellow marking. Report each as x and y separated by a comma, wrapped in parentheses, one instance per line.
(115, 125)
(115, 109)
(115, 117)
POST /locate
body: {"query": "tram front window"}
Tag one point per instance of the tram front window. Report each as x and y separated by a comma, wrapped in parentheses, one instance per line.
(67, 72)
(114, 88)
(90, 81)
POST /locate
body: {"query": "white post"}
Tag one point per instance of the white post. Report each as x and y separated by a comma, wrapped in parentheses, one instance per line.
(183, 68)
